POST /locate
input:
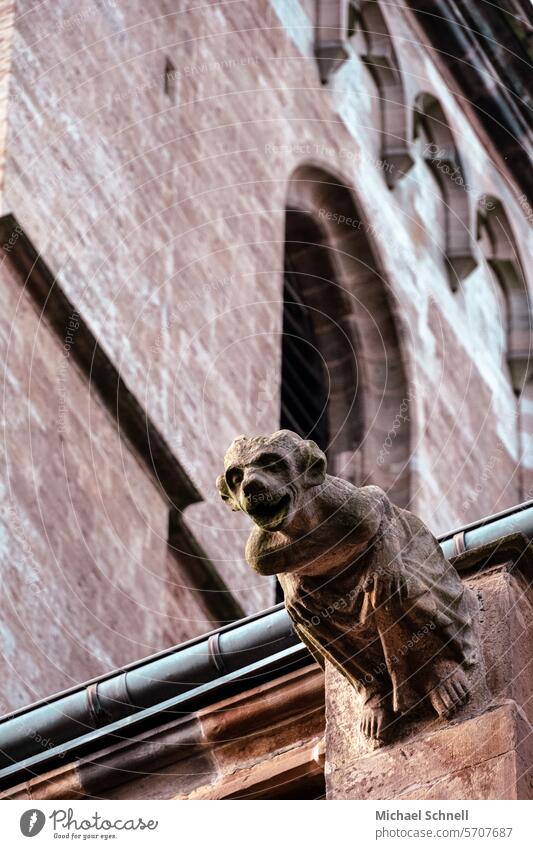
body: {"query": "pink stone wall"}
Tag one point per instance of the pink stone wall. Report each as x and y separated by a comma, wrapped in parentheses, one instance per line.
(88, 582)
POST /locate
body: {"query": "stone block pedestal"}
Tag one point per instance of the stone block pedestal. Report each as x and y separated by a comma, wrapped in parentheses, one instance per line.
(485, 752)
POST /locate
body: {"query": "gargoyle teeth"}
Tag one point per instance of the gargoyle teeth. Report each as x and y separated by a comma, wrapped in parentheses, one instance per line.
(270, 513)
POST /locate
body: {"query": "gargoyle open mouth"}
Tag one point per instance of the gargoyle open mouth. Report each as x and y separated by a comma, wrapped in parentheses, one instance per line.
(270, 514)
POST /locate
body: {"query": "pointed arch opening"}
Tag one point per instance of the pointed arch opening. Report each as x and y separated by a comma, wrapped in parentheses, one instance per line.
(499, 248)
(442, 156)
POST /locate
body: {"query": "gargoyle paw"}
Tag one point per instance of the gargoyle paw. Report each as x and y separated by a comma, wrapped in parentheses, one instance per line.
(374, 720)
(382, 587)
(450, 694)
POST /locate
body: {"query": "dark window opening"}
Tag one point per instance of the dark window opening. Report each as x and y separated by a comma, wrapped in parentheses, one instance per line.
(304, 377)
(304, 383)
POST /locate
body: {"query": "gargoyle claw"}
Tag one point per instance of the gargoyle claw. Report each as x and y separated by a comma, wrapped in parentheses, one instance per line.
(382, 587)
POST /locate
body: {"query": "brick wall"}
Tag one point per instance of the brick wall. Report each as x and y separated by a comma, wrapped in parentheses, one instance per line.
(88, 581)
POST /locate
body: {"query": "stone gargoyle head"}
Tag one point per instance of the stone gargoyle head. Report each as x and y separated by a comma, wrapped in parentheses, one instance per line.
(268, 477)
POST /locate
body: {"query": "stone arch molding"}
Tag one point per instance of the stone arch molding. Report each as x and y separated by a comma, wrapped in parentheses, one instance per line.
(373, 42)
(440, 151)
(370, 404)
(361, 23)
(329, 36)
(499, 249)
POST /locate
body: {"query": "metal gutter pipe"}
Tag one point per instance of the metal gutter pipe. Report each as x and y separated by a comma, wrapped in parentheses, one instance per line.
(152, 681)
(141, 722)
(515, 520)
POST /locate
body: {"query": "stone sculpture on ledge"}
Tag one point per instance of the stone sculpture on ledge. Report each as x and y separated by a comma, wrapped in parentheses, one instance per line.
(365, 582)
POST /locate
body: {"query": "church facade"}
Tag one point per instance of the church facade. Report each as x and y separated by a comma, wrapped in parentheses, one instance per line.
(229, 219)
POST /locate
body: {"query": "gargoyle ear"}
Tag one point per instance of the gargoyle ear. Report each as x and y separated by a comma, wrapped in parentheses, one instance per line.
(315, 463)
(225, 494)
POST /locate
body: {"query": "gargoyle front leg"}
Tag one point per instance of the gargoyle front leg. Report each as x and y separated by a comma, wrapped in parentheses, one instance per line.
(274, 553)
(384, 587)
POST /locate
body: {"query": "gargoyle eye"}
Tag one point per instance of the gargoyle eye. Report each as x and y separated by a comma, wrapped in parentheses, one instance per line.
(234, 476)
(271, 462)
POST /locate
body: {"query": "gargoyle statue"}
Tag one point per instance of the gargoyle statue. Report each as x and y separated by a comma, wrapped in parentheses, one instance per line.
(365, 582)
